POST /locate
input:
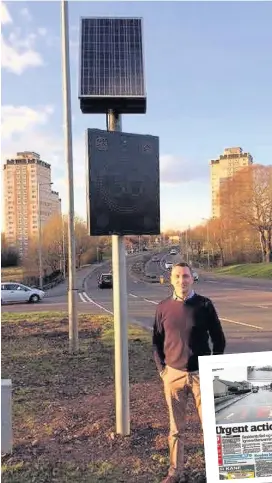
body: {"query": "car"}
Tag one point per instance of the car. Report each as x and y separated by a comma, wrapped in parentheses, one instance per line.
(105, 280)
(196, 276)
(255, 389)
(168, 265)
(173, 252)
(155, 258)
(12, 292)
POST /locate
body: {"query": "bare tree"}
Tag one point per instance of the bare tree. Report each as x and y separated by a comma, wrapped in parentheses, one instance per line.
(247, 199)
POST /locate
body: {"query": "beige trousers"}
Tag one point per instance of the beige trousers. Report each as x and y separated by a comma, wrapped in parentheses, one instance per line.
(177, 386)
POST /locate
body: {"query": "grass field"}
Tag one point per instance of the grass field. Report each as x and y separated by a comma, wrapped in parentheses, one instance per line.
(63, 406)
(252, 270)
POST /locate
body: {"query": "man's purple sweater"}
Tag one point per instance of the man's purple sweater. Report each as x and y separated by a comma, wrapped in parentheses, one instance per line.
(182, 330)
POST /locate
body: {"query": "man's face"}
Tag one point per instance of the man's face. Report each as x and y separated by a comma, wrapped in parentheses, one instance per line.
(182, 280)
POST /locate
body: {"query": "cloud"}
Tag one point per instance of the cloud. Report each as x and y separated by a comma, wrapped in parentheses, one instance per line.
(42, 31)
(19, 119)
(5, 15)
(26, 14)
(175, 170)
(27, 128)
(18, 52)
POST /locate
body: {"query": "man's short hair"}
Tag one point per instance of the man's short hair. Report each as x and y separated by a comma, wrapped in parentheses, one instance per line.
(183, 264)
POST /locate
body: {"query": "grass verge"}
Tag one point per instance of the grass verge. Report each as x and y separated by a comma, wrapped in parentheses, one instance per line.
(251, 270)
(63, 405)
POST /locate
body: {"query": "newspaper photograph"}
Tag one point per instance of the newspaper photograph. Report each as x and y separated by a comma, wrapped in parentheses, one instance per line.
(240, 407)
(259, 373)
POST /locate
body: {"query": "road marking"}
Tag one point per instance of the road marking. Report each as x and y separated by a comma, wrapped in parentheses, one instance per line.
(151, 301)
(132, 295)
(96, 304)
(229, 416)
(82, 298)
(254, 306)
(241, 323)
(211, 281)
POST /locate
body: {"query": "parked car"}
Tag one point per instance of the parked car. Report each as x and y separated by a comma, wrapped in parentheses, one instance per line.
(255, 389)
(173, 252)
(105, 280)
(196, 276)
(168, 265)
(19, 293)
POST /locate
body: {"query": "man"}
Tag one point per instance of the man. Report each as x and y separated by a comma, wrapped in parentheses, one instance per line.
(183, 324)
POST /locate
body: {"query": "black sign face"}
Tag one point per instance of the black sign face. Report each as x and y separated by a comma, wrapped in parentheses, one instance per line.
(123, 195)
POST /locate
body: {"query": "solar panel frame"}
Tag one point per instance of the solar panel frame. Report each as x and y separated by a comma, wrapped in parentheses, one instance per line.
(131, 96)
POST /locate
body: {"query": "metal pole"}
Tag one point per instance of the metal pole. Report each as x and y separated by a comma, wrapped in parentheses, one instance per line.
(72, 290)
(40, 239)
(120, 317)
(187, 252)
(208, 245)
(63, 250)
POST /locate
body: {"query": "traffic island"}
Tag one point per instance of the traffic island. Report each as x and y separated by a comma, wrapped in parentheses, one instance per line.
(64, 406)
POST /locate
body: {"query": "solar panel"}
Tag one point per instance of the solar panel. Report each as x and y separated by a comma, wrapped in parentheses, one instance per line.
(111, 65)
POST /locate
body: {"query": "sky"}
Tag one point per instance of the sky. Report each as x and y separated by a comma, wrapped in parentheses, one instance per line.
(208, 80)
(233, 373)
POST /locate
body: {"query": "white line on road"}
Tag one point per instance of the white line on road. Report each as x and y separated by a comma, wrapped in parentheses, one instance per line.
(132, 295)
(241, 323)
(211, 281)
(96, 304)
(151, 301)
(82, 298)
(229, 416)
(263, 306)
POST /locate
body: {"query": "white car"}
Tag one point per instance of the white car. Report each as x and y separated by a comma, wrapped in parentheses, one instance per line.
(18, 293)
(168, 265)
(173, 252)
(196, 277)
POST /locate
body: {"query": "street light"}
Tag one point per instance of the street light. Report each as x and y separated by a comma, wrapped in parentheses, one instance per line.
(208, 241)
(66, 88)
(40, 232)
(63, 250)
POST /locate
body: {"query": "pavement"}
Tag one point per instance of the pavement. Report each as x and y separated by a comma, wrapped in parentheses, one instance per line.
(254, 407)
(244, 307)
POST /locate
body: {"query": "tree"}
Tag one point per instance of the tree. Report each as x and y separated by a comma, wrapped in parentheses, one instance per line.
(52, 243)
(9, 257)
(247, 199)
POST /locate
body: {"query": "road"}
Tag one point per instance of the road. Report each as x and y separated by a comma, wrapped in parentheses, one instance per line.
(255, 407)
(257, 375)
(244, 308)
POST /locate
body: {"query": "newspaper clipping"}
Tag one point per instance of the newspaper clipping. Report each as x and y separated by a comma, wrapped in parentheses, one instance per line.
(242, 397)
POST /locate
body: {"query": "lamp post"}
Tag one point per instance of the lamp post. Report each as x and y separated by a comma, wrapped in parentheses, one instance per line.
(63, 250)
(208, 240)
(66, 88)
(40, 232)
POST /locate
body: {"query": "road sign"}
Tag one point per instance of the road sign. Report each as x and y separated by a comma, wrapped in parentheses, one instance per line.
(123, 184)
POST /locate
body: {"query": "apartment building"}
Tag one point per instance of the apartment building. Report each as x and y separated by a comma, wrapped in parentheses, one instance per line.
(225, 167)
(27, 196)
